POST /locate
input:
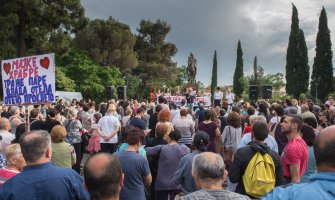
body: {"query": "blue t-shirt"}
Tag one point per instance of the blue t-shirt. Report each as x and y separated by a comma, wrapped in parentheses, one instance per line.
(138, 123)
(135, 167)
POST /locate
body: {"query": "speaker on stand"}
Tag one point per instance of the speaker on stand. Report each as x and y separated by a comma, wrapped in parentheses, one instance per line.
(267, 92)
(110, 93)
(122, 92)
(253, 92)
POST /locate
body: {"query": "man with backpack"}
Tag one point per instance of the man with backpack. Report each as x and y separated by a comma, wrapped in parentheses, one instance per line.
(256, 168)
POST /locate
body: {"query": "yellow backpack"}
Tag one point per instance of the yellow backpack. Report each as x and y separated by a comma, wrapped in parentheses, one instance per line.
(259, 177)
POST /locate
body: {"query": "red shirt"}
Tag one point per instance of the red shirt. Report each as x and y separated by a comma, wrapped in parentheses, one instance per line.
(247, 129)
(6, 174)
(295, 152)
(152, 96)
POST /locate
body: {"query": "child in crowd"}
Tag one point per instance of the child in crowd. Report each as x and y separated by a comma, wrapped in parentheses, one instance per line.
(94, 142)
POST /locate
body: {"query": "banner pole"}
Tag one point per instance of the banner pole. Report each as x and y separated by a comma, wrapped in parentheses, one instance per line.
(27, 129)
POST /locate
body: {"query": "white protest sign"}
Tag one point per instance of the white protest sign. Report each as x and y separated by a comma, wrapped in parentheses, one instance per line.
(28, 80)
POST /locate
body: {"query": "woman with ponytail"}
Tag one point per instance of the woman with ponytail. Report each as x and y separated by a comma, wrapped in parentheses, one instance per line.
(183, 175)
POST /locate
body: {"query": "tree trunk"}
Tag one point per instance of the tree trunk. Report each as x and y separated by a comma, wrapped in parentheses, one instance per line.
(143, 90)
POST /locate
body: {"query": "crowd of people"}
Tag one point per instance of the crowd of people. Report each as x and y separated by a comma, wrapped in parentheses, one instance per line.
(162, 150)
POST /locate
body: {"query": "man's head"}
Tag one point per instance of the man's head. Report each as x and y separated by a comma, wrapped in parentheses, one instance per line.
(36, 147)
(260, 131)
(14, 157)
(103, 176)
(135, 137)
(304, 108)
(14, 111)
(4, 124)
(324, 150)
(208, 168)
(34, 113)
(140, 112)
(291, 124)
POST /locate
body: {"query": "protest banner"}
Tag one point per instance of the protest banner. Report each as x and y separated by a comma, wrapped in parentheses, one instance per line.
(177, 99)
(28, 80)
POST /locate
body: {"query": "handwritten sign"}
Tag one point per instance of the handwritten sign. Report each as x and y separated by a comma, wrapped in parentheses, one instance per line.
(28, 80)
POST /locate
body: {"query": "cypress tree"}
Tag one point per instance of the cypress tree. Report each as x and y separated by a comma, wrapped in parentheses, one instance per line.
(214, 81)
(297, 69)
(322, 75)
(302, 75)
(238, 75)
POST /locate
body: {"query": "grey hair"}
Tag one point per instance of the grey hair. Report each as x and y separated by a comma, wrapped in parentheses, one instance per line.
(208, 165)
(260, 118)
(292, 110)
(13, 110)
(252, 119)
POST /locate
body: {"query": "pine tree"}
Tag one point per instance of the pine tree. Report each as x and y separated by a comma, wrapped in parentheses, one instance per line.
(214, 81)
(322, 75)
(238, 75)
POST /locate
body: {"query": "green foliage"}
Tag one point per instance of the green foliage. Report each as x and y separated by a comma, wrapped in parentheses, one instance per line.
(238, 75)
(64, 83)
(132, 83)
(154, 55)
(297, 69)
(90, 78)
(214, 81)
(108, 42)
(322, 74)
(31, 24)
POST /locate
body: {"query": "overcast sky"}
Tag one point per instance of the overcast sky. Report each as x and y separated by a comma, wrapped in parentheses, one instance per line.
(202, 26)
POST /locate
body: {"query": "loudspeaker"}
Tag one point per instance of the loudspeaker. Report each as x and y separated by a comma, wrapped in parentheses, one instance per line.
(253, 92)
(110, 92)
(267, 92)
(122, 92)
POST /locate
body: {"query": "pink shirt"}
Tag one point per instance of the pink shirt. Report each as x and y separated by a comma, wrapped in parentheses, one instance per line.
(6, 174)
(295, 152)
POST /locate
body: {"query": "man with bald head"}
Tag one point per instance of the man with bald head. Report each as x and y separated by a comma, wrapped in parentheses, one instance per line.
(103, 176)
(40, 179)
(208, 170)
(322, 184)
(7, 136)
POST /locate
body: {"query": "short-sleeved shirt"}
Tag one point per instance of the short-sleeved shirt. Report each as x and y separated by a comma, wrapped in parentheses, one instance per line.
(138, 123)
(169, 158)
(107, 124)
(135, 167)
(295, 153)
(7, 138)
(73, 131)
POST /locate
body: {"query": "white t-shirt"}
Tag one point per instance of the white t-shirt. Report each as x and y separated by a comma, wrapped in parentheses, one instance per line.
(274, 120)
(230, 98)
(7, 138)
(107, 124)
(218, 95)
(207, 99)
